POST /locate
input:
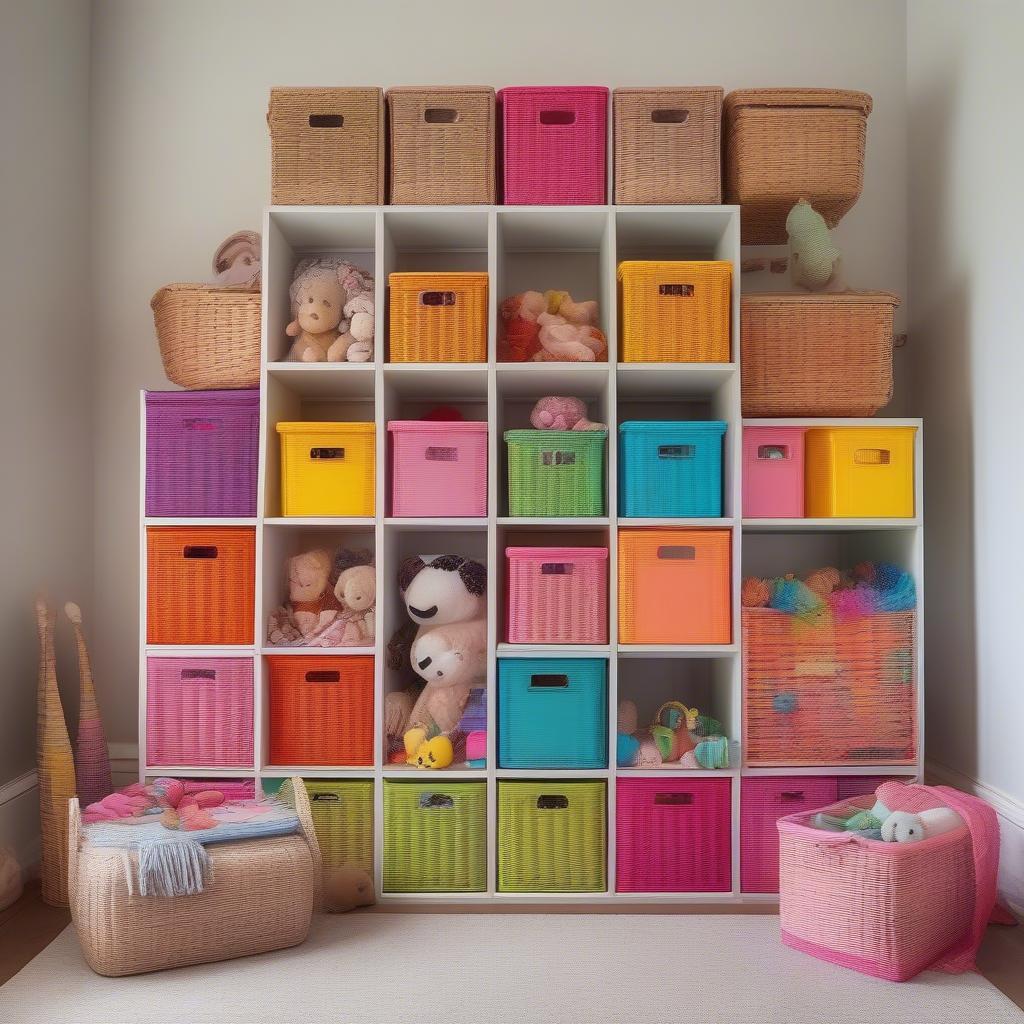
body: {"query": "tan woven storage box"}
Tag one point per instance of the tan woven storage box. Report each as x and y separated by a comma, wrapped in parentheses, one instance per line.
(782, 145)
(441, 145)
(667, 145)
(327, 146)
(816, 355)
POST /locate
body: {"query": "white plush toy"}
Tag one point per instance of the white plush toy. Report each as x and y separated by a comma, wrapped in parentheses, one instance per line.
(904, 827)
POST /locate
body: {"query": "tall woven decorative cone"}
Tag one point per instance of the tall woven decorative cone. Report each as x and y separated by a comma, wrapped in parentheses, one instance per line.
(54, 766)
(92, 760)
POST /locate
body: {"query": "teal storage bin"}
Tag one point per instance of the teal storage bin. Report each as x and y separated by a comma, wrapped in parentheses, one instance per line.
(552, 713)
(670, 468)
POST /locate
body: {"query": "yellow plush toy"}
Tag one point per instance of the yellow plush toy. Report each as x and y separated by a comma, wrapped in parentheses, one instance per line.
(435, 753)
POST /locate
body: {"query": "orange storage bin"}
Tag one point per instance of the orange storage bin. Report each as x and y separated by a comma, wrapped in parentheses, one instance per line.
(200, 585)
(438, 318)
(321, 710)
(675, 586)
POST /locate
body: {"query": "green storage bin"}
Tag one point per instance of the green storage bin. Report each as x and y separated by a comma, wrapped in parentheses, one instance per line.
(435, 836)
(552, 836)
(556, 472)
(343, 821)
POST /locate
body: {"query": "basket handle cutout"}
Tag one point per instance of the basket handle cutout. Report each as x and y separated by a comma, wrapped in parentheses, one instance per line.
(202, 423)
(330, 798)
(198, 673)
(872, 456)
(327, 453)
(434, 454)
(674, 799)
(670, 115)
(200, 551)
(323, 676)
(556, 568)
(326, 120)
(431, 801)
(440, 115)
(681, 290)
(676, 451)
(552, 802)
(557, 117)
(437, 298)
(558, 458)
(791, 796)
(550, 681)
(677, 552)
(772, 452)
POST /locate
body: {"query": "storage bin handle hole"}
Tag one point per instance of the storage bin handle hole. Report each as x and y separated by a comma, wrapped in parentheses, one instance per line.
(557, 117)
(680, 290)
(440, 115)
(200, 551)
(555, 569)
(435, 454)
(673, 799)
(202, 423)
(772, 452)
(552, 802)
(549, 681)
(677, 552)
(676, 451)
(670, 115)
(558, 458)
(323, 676)
(872, 456)
(326, 120)
(327, 453)
(792, 795)
(432, 801)
(198, 673)
(437, 298)
(330, 798)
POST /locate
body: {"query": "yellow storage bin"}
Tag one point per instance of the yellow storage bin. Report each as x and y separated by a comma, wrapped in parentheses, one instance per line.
(859, 472)
(438, 317)
(327, 469)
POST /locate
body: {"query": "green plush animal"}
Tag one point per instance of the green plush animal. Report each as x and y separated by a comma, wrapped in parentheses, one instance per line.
(814, 262)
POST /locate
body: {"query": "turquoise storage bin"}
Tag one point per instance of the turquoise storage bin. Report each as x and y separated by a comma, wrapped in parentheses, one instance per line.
(670, 468)
(552, 713)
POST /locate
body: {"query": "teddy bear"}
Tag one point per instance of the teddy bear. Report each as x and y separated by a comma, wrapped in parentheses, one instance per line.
(556, 413)
(353, 581)
(236, 263)
(550, 327)
(332, 312)
(347, 887)
(311, 604)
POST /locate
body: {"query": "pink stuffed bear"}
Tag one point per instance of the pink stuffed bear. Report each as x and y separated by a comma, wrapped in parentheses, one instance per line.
(556, 413)
(549, 328)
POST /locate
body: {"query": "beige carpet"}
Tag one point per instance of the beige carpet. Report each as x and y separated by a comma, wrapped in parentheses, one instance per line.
(505, 969)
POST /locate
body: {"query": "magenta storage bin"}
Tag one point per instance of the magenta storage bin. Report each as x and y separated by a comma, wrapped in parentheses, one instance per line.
(199, 712)
(673, 835)
(438, 468)
(773, 472)
(554, 144)
(202, 451)
(557, 595)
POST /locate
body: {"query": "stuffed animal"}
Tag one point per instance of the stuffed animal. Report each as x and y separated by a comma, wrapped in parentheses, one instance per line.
(550, 327)
(678, 735)
(310, 596)
(557, 413)
(519, 339)
(903, 827)
(237, 261)
(332, 312)
(354, 582)
(435, 753)
(347, 887)
(814, 262)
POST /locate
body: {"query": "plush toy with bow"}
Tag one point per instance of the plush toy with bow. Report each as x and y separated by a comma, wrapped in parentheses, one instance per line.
(332, 312)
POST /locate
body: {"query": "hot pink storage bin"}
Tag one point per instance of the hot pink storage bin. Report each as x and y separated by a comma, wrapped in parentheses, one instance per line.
(673, 835)
(199, 712)
(554, 144)
(438, 468)
(557, 595)
(773, 472)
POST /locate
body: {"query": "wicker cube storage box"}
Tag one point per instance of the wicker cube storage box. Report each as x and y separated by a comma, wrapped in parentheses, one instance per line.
(327, 469)
(437, 317)
(556, 472)
(773, 472)
(438, 468)
(342, 813)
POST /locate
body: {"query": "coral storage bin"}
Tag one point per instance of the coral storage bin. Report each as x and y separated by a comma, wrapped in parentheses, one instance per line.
(667, 145)
(674, 311)
(860, 472)
(552, 836)
(773, 472)
(556, 472)
(675, 586)
(200, 584)
(438, 318)
(435, 836)
(327, 469)
(202, 453)
(783, 145)
(557, 595)
(438, 468)
(199, 712)
(673, 835)
(441, 144)
(670, 468)
(343, 821)
(885, 909)
(554, 144)
(552, 713)
(321, 710)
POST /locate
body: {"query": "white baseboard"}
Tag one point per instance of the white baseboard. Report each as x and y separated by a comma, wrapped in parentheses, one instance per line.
(19, 819)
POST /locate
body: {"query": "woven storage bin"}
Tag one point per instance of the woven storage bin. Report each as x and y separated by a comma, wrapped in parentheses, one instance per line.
(556, 472)
(674, 311)
(321, 710)
(552, 713)
(441, 144)
(773, 472)
(327, 146)
(783, 145)
(860, 472)
(327, 469)
(200, 584)
(668, 145)
(209, 335)
(552, 836)
(438, 318)
(554, 144)
(836, 692)
(438, 468)
(816, 355)
(670, 468)
(233, 789)
(435, 836)
(557, 595)
(202, 452)
(343, 820)
(199, 712)
(675, 586)
(885, 909)
(673, 835)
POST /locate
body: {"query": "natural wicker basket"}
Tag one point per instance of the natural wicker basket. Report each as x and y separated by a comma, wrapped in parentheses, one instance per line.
(209, 335)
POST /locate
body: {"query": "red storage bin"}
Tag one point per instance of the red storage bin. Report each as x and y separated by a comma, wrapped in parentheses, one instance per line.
(773, 472)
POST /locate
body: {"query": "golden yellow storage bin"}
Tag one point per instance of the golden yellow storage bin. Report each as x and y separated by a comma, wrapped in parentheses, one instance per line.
(327, 469)
(674, 311)
(438, 317)
(859, 472)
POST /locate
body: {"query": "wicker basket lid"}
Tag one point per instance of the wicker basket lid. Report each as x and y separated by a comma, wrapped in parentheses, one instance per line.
(821, 298)
(669, 90)
(577, 554)
(532, 435)
(437, 426)
(203, 399)
(553, 90)
(661, 426)
(318, 427)
(837, 98)
(436, 279)
(439, 90)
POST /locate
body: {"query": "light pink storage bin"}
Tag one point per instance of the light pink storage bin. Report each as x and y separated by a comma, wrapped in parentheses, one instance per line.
(557, 595)
(199, 712)
(673, 835)
(773, 472)
(438, 468)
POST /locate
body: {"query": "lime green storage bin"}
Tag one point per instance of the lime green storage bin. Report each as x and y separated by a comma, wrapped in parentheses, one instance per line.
(556, 472)
(435, 836)
(342, 813)
(552, 837)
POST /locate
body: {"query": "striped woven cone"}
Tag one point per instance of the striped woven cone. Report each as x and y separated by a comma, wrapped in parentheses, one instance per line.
(92, 760)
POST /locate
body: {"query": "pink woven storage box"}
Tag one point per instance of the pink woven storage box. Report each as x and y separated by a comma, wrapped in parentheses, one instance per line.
(438, 468)
(673, 835)
(885, 909)
(557, 595)
(773, 472)
(554, 144)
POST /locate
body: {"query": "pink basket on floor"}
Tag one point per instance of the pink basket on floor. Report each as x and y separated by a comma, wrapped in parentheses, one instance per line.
(438, 468)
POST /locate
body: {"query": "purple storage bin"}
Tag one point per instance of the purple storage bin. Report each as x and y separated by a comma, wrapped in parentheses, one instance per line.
(202, 451)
